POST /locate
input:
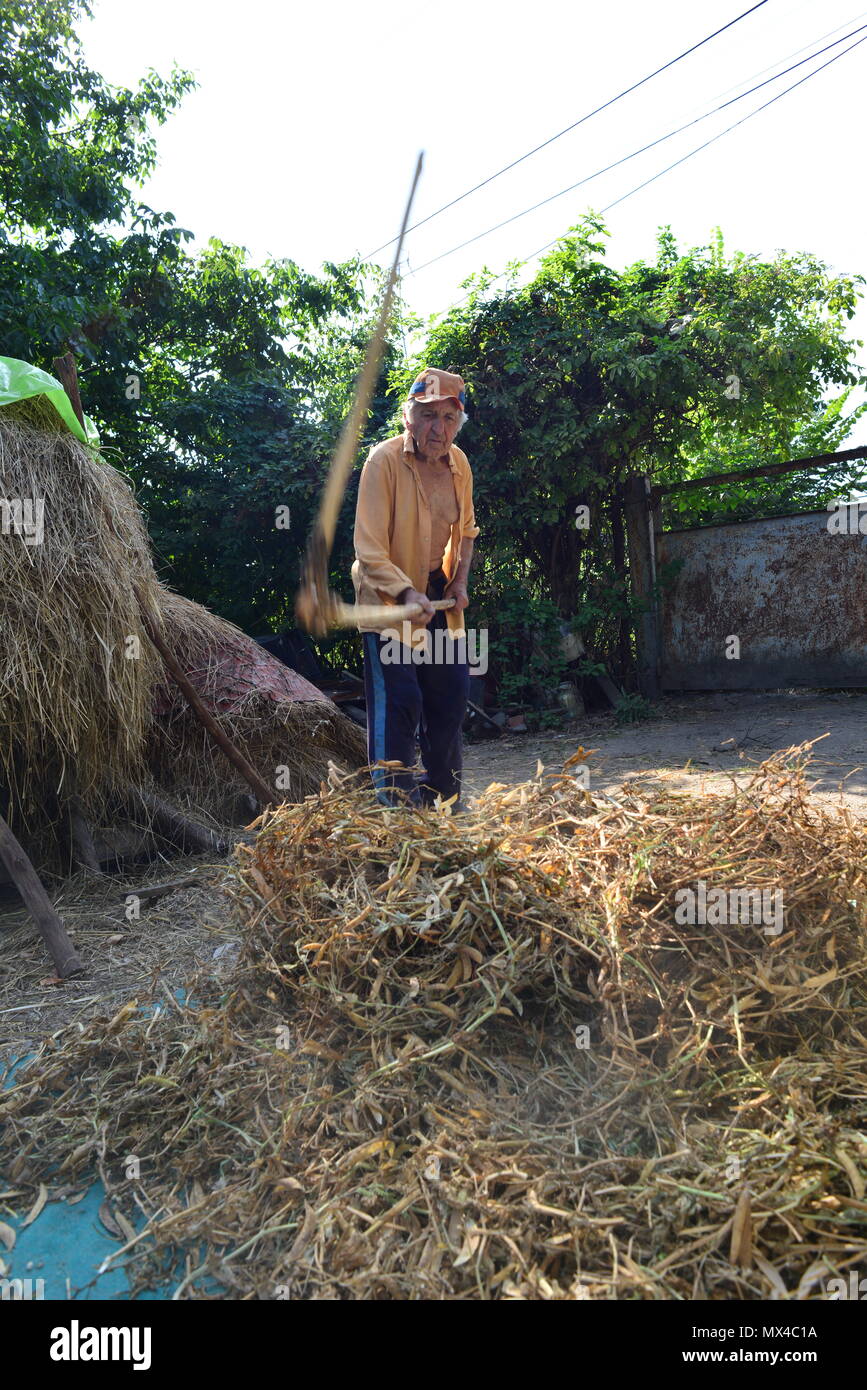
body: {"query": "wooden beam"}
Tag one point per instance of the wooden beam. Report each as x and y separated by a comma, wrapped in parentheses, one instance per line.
(26, 880)
(767, 470)
(67, 374)
(203, 714)
(83, 848)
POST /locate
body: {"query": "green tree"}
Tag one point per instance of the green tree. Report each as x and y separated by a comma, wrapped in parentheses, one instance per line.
(238, 394)
(587, 374)
(217, 386)
(72, 149)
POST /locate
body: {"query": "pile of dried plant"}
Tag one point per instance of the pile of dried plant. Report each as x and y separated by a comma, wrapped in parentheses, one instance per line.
(84, 718)
(74, 706)
(287, 729)
(482, 1057)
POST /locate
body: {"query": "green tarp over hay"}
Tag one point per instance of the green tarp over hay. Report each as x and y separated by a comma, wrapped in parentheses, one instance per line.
(19, 381)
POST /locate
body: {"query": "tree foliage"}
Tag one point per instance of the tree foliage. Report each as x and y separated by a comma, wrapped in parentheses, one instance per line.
(692, 364)
(220, 386)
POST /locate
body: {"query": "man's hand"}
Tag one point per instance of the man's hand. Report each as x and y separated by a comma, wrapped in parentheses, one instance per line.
(458, 592)
(410, 596)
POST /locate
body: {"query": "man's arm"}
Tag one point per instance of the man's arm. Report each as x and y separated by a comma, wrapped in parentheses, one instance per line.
(457, 587)
(463, 569)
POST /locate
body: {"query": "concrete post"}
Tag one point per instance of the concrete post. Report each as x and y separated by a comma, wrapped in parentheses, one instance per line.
(642, 569)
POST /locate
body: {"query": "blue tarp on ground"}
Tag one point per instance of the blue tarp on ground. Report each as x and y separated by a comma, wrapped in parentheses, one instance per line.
(69, 1243)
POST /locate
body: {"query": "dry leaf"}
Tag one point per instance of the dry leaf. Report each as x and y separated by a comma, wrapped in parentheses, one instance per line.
(817, 981)
(854, 1176)
(773, 1277)
(107, 1217)
(37, 1206)
(126, 1226)
(472, 1241)
(366, 1151)
(812, 1276)
(320, 1050)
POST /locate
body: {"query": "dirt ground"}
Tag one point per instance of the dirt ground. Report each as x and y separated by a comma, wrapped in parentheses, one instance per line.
(696, 744)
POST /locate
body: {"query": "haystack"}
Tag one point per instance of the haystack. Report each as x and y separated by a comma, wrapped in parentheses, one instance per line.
(74, 710)
(285, 726)
(486, 1058)
(85, 717)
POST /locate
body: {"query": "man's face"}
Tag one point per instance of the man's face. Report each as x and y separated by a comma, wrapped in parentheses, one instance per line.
(433, 425)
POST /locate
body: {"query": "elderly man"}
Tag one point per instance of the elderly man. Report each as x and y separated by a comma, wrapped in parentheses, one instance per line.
(414, 532)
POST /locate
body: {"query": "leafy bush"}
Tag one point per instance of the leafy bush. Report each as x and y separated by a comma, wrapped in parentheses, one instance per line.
(633, 709)
(524, 642)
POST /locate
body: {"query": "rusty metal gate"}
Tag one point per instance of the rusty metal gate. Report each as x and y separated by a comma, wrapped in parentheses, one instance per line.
(757, 604)
(765, 603)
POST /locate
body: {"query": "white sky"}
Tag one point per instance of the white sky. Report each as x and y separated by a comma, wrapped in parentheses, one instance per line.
(303, 134)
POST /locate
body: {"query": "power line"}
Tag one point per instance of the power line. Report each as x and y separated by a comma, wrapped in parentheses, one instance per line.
(853, 19)
(573, 126)
(644, 148)
(683, 159)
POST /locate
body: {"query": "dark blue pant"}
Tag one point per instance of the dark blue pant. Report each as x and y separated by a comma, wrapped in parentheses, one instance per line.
(405, 702)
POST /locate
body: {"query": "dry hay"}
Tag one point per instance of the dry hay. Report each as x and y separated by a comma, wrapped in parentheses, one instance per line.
(76, 698)
(73, 709)
(277, 718)
(388, 1100)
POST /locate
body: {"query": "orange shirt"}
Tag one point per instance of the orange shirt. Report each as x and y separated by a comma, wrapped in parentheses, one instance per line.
(393, 523)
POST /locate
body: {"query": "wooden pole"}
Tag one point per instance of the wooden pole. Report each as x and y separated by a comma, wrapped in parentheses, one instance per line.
(642, 566)
(235, 756)
(767, 470)
(185, 833)
(26, 880)
(67, 374)
(83, 847)
(618, 551)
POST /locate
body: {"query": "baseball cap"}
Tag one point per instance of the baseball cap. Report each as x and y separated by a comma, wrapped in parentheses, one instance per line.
(435, 385)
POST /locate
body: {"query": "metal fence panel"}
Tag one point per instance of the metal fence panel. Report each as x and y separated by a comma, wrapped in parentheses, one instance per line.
(792, 592)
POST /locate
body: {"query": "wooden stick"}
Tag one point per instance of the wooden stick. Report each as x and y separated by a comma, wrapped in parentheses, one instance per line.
(151, 891)
(82, 840)
(349, 614)
(477, 709)
(341, 464)
(26, 880)
(67, 374)
(185, 833)
(203, 714)
(315, 606)
(766, 470)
